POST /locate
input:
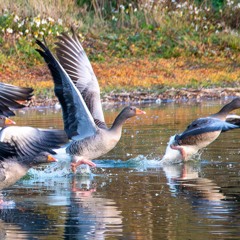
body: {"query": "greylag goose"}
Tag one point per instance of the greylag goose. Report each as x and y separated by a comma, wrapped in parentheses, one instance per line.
(77, 89)
(9, 97)
(199, 134)
(24, 147)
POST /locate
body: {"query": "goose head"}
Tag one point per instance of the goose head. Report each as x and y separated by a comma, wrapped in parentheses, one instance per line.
(234, 104)
(127, 112)
(131, 111)
(222, 114)
(5, 121)
(41, 158)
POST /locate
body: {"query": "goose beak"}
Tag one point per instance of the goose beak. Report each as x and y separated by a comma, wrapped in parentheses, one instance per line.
(50, 158)
(139, 111)
(9, 121)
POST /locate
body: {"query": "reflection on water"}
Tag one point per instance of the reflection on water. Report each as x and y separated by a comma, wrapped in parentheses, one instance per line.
(130, 195)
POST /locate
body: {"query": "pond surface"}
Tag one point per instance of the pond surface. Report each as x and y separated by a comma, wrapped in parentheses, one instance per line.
(130, 195)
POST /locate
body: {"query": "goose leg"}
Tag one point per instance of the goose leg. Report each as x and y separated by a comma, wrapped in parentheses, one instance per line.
(4, 204)
(74, 165)
(179, 148)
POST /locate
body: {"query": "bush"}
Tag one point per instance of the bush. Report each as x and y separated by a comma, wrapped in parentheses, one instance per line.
(126, 28)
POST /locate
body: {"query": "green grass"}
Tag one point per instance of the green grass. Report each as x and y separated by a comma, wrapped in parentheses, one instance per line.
(165, 30)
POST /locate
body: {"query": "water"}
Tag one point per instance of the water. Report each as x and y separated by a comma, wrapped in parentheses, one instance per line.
(130, 195)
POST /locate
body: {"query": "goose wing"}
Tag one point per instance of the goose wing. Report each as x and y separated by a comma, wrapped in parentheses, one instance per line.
(204, 125)
(6, 150)
(76, 116)
(9, 97)
(74, 60)
(29, 141)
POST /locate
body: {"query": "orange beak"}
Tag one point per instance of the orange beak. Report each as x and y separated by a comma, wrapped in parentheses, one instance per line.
(51, 158)
(139, 111)
(9, 121)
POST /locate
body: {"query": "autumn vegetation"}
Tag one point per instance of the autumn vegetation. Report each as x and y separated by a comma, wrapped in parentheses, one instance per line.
(139, 45)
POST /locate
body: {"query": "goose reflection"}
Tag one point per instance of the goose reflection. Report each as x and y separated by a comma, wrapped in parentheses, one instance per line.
(91, 216)
(209, 203)
(186, 179)
(74, 204)
(21, 222)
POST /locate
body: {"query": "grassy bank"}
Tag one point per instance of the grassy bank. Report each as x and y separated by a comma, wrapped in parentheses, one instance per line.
(133, 45)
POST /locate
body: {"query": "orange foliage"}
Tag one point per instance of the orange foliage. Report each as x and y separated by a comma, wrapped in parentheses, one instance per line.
(170, 72)
(37, 77)
(136, 73)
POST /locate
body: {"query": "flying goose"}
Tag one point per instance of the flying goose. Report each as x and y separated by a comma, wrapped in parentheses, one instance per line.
(77, 89)
(22, 147)
(200, 133)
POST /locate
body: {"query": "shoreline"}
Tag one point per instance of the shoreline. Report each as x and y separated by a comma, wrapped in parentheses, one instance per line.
(170, 95)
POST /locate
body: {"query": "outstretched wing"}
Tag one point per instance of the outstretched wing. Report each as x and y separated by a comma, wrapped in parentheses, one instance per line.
(204, 125)
(74, 60)
(76, 116)
(29, 141)
(9, 97)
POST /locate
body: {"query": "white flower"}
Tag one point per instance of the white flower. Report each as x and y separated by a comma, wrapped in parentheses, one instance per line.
(9, 30)
(185, 4)
(50, 19)
(122, 7)
(44, 21)
(41, 33)
(114, 18)
(16, 18)
(5, 12)
(60, 21)
(37, 21)
(21, 24)
(196, 10)
(26, 31)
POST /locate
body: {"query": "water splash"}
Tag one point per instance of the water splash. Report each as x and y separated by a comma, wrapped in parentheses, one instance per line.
(62, 167)
(139, 163)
